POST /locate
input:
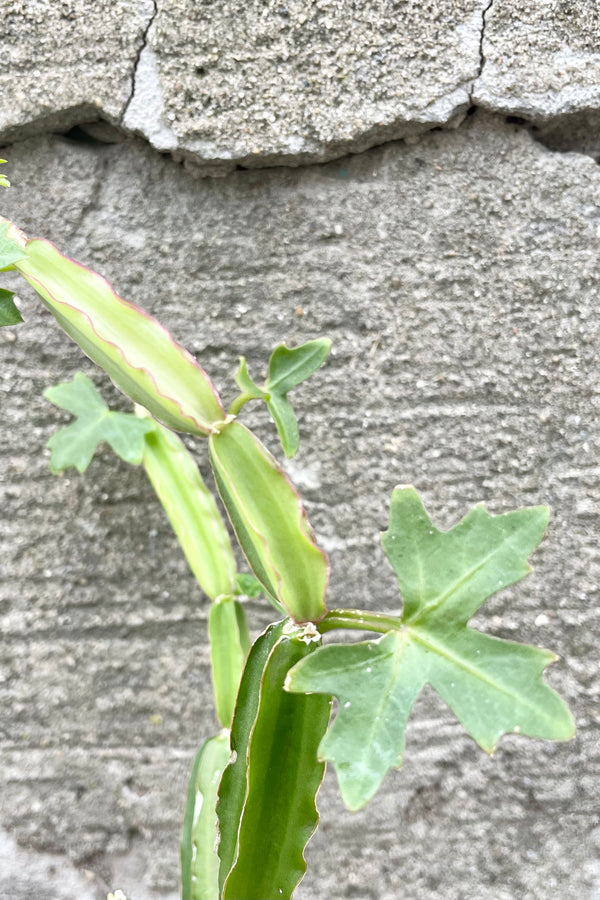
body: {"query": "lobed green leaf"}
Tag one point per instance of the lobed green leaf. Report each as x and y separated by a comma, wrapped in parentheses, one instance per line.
(4, 182)
(12, 244)
(493, 686)
(75, 444)
(447, 575)
(376, 688)
(9, 314)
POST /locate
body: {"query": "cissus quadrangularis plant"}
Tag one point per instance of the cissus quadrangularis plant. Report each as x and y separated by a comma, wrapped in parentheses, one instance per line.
(251, 802)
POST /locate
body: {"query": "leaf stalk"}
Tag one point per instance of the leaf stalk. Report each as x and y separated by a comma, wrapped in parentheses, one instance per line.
(358, 620)
(240, 401)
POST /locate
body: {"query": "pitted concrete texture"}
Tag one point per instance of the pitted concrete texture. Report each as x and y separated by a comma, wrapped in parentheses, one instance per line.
(458, 278)
(65, 62)
(26, 874)
(541, 58)
(290, 82)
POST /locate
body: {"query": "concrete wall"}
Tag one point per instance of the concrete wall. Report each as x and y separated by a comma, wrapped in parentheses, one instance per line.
(416, 180)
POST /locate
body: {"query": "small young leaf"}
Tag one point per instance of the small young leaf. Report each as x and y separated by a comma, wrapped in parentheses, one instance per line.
(284, 417)
(229, 645)
(11, 244)
(289, 368)
(199, 860)
(247, 585)
(9, 314)
(75, 444)
(191, 509)
(245, 383)
(270, 522)
(493, 686)
(282, 778)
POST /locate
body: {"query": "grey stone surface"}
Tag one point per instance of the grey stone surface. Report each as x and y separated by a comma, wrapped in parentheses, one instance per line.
(541, 63)
(458, 278)
(542, 59)
(65, 62)
(273, 82)
(577, 131)
(26, 874)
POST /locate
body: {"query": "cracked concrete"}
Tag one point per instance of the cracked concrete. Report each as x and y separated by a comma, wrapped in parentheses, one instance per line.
(457, 273)
(484, 13)
(542, 59)
(137, 74)
(66, 62)
(144, 114)
(290, 84)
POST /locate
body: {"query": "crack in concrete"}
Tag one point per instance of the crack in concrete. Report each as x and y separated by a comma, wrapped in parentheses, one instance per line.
(142, 47)
(484, 13)
(221, 167)
(550, 138)
(218, 170)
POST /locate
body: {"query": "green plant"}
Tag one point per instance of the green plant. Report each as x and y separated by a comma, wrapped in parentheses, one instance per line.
(253, 785)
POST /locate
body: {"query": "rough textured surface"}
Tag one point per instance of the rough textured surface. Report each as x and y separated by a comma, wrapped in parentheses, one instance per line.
(541, 63)
(542, 58)
(578, 132)
(65, 62)
(291, 81)
(27, 874)
(458, 278)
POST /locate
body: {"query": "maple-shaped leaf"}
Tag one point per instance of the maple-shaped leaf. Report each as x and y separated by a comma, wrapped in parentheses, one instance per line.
(493, 686)
(75, 444)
